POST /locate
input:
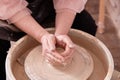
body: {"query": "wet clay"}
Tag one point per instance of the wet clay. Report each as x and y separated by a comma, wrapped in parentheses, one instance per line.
(80, 67)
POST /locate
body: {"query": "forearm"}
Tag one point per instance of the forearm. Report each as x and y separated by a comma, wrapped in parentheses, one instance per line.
(31, 27)
(64, 22)
(65, 19)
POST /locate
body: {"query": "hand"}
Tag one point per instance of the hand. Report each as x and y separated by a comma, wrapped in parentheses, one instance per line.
(67, 44)
(48, 49)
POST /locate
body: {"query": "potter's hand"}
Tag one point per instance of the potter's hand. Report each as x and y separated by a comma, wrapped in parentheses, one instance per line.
(67, 44)
(48, 49)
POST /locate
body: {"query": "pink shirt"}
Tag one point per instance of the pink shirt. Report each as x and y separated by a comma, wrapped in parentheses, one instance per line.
(13, 10)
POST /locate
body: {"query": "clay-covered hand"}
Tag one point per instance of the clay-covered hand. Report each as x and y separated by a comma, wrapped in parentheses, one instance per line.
(48, 49)
(67, 44)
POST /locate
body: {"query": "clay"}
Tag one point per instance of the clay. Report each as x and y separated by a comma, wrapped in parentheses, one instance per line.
(80, 67)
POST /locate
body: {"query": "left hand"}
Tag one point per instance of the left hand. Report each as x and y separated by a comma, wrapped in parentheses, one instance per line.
(67, 44)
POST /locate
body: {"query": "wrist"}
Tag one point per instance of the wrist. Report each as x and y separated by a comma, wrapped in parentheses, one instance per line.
(40, 34)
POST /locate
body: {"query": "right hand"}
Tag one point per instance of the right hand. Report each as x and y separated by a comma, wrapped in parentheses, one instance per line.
(67, 44)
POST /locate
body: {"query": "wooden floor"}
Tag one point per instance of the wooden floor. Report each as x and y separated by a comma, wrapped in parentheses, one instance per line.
(109, 37)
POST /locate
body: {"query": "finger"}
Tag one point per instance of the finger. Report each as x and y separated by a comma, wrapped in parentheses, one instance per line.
(52, 58)
(48, 45)
(51, 42)
(68, 42)
(44, 46)
(49, 60)
(67, 51)
(58, 56)
(70, 55)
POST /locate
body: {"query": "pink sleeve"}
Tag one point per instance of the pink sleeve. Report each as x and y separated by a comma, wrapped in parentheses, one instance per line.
(72, 5)
(13, 10)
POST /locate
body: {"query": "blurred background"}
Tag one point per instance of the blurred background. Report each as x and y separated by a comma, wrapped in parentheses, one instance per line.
(107, 12)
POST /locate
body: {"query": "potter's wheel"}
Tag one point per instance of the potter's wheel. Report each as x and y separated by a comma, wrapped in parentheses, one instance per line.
(18, 55)
(80, 68)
